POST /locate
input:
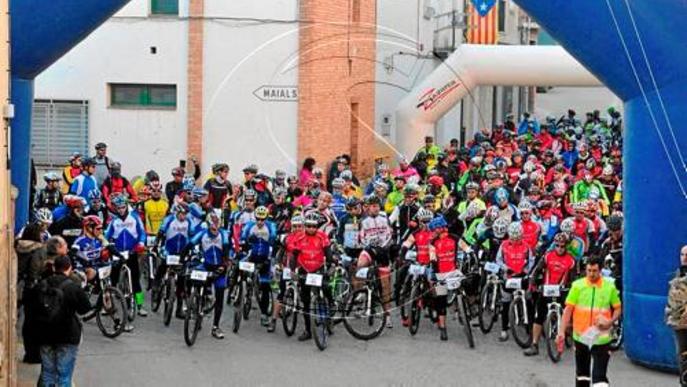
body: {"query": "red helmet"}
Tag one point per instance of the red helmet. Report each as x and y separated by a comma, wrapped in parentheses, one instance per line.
(435, 180)
(92, 221)
(74, 201)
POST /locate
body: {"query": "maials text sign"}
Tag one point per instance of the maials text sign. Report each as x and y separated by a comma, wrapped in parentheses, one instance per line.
(277, 93)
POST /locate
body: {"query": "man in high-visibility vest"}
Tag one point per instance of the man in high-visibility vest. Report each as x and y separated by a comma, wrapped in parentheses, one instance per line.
(593, 304)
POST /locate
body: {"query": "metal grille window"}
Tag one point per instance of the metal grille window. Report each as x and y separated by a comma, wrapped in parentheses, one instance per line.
(164, 7)
(59, 128)
(137, 95)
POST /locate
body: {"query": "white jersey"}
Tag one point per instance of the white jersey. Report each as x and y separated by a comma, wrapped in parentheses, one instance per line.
(375, 231)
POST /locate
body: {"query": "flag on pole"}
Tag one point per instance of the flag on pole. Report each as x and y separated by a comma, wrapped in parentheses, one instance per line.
(483, 22)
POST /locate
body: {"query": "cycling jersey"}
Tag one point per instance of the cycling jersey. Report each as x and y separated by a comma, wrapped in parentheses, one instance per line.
(549, 223)
(530, 233)
(218, 190)
(83, 185)
(421, 240)
(348, 233)
(401, 218)
(338, 205)
(557, 267)
(126, 232)
(515, 256)
(311, 250)
(260, 239)
(175, 233)
(47, 199)
(393, 200)
(89, 250)
(196, 215)
(214, 247)
(69, 173)
(118, 184)
(375, 231)
(445, 250)
(583, 229)
(238, 219)
(155, 212)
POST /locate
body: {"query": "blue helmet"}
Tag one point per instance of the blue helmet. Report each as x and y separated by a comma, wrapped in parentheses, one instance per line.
(437, 223)
(188, 183)
(198, 193)
(119, 201)
(94, 195)
(501, 195)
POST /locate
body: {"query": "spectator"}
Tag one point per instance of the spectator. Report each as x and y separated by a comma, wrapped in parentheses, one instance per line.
(676, 314)
(71, 171)
(173, 187)
(60, 339)
(102, 163)
(306, 173)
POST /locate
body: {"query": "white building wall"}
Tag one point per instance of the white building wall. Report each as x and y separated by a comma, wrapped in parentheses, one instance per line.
(120, 52)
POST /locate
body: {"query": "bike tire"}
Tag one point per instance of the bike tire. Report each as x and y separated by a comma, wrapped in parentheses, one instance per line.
(127, 291)
(487, 315)
(522, 334)
(289, 318)
(156, 297)
(170, 300)
(319, 321)
(404, 297)
(192, 316)
(356, 304)
(116, 312)
(247, 300)
(462, 311)
(415, 309)
(550, 334)
(237, 306)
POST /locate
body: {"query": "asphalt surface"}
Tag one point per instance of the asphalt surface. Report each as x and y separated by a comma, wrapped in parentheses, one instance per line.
(155, 355)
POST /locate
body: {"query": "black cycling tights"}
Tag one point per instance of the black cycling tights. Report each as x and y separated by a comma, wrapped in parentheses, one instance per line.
(219, 305)
(264, 301)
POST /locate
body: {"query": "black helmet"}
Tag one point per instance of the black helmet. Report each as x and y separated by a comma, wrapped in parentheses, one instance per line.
(352, 202)
(100, 145)
(217, 168)
(372, 199)
(614, 223)
(87, 162)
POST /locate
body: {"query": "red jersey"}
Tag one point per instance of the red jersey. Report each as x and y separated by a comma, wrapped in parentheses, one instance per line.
(445, 248)
(311, 250)
(557, 267)
(515, 255)
(422, 241)
(530, 233)
(290, 245)
(583, 228)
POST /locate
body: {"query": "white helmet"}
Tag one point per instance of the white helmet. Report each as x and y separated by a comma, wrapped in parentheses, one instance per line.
(568, 225)
(44, 215)
(424, 215)
(525, 205)
(515, 230)
(500, 227)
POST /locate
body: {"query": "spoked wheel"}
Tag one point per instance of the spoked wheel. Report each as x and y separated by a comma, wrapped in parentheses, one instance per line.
(156, 296)
(247, 300)
(289, 310)
(340, 290)
(550, 332)
(415, 309)
(147, 268)
(170, 300)
(319, 321)
(519, 327)
(404, 298)
(270, 299)
(111, 317)
(464, 318)
(124, 286)
(209, 300)
(488, 310)
(364, 319)
(237, 302)
(193, 316)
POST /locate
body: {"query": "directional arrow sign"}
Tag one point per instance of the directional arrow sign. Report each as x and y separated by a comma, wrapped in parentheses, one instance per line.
(277, 93)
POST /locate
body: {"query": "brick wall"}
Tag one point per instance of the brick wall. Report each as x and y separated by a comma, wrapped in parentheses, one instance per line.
(194, 130)
(336, 70)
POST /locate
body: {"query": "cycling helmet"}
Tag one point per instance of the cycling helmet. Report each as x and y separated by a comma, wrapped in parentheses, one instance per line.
(317, 171)
(297, 220)
(529, 167)
(177, 171)
(91, 221)
(44, 215)
(219, 167)
(580, 206)
(489, 168)
(491, 175)
(411, 189)
(352, 203)
(500, 164)
(380, 184)
(346, 175)
(51, 176)
(100, 145)
(568, 225)
(424, 215)
(249, 194)
(436, 181)
(473, 209)
(94, 195)
(501, 195)
(614, 223)
(151, 176)
(251, 168)
(591, 163)
(261, 212)
(279, 174)
(372, 199)
(74, 201)
(429, 199)
(180, 208)
(515, 230)
(476, 161)
(279, 192)
(338, 183)
(292, 180)
(472, 186)
(594, 193)
(119, 201)
(115, 166)
(312, 219)
(438, 223)
(198, 193)
(517, 153)
(188, 183)
(534, 190)
(87, 162)
(500, 228)
(213, 218)
(525, 205)
(560, 238)
(74, 156)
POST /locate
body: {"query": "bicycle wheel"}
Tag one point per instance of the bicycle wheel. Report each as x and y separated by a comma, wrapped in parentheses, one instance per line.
(156, 296)
(289, 318)
(487, 308)
(170, 299)
(319, 320)
(111, 316)
(415, 309)
(404, 298)
(209, 300)
(550, 333)
(465, 319)
(146, 270)
(192, 320)
(237, 298)
(518, 327)
(364, 319)
(341, 289)
(247, 300)
(124, 286)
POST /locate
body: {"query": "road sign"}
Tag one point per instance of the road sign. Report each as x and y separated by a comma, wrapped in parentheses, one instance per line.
(269, 93)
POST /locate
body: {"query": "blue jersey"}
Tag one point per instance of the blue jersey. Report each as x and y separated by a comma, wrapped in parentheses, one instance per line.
(549, 228)
(260, 239)
(126, 232)
(338, 205)
(177, 234)
(212, 247)
(83, 185)
(196, 215)
(88, 249)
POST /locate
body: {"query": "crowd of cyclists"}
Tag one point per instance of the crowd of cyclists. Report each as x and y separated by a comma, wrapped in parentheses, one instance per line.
(534, 198)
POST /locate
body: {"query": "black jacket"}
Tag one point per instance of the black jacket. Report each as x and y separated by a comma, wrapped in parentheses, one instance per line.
(67, 331)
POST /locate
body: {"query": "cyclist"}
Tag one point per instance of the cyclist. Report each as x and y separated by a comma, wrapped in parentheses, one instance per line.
(218, 186)
(43, 218)
(348, 232)
(174, 235)
(349, 188)
(613, 246)
(214, 246)
(102, 163)
(68, 219)
(90, 247)
(584, 228)
(406, 170)
(549, 220)
(311, 250)
(116, 183)
(155, 209)
(395, 197)
(556, 266)
(503, 207)
(242, 216)
(127, 233)
(328, 222)
(49, 197)
(443, 250)
(516, 260)
(403, 216)
(258, 237)
(198, 208)
(530, 228)
(281, 210)
(83, 184)
(289, 247)
(420, 239)
(173, 187)
(338, 205)
(71, 171)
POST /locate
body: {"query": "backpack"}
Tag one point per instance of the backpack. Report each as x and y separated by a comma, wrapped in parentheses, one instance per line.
(49, 302)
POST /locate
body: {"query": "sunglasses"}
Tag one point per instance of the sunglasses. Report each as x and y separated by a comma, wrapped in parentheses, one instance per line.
(310, 226)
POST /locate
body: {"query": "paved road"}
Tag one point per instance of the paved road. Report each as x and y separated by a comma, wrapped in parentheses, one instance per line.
(157, 356)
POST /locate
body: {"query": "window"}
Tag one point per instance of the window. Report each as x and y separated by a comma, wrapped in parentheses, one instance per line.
(355, 14)
(164, 7)
(148, 96)
(502, 15)
(59, 128)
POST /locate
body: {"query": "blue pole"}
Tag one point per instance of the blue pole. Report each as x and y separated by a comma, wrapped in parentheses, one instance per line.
(20, 146)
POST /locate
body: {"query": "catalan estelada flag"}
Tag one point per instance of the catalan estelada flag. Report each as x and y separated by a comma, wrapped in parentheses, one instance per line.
(483, 22)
